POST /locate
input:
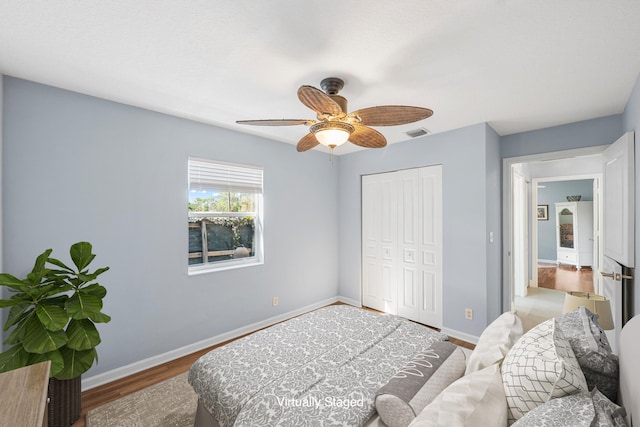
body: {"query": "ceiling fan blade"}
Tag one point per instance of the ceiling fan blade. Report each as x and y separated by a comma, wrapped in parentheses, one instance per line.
(276, 122)
(307, 143)
(391, 115)
(367, 137)
(318, 101)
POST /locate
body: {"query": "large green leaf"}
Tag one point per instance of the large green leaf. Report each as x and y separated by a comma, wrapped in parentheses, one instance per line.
(12, 282)
(60, 264)
(10, 303)
(17, 334)
(37, 277)
(45, 290)
(57, 362)
(41, 261)
(76, 362)
(82, 334)
(89, 277)
(82, 305)
(13, 358)
(38, 339)
(81, 254)
(94, 289)
(53, 317)
(17, 313)
(100, 317)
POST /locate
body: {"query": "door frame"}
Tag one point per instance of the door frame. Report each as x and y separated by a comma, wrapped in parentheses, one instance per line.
(508, 294)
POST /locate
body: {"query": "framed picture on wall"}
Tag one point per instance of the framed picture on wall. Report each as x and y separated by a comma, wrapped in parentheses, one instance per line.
(543, 212)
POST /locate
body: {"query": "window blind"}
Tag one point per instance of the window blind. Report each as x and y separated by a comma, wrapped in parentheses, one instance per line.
(214, 176)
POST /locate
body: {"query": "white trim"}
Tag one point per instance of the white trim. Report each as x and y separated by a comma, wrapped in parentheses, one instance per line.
(548, 261)
(460, 335)
(507, 221)
(124, 371)
(349, 301)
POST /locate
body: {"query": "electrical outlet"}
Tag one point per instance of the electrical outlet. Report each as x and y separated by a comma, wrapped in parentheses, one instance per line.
(468, 313)
(275, 301)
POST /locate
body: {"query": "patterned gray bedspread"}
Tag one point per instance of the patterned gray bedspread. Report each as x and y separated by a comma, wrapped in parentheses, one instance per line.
(319, 369)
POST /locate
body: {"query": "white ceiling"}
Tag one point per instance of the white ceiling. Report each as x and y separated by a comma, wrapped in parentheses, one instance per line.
(516, 64)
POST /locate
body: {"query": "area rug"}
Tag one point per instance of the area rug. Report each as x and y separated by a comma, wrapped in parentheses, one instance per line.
(171, 403)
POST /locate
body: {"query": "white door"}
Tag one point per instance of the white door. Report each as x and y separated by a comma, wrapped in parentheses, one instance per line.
(619, 213)
(379, 242)
(618, 225)
(420, 245)
(402, 243)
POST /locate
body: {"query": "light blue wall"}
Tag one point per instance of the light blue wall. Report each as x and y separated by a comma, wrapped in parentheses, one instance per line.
(557, 191)
(466, 213)
(588, 133)
(81, 168)
(631, 122)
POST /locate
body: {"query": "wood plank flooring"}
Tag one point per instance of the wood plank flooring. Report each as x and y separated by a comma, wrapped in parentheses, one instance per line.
(565, 278)
(109, 392)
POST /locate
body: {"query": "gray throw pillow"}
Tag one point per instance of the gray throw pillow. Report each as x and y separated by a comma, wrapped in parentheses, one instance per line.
(422, 379)
(592, 350)
(575, 410)
(608, 414)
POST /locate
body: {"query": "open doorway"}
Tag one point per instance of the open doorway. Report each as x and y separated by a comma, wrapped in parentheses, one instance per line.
(538, 269)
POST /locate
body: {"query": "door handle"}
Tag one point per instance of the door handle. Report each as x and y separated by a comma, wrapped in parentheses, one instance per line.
(616, 276)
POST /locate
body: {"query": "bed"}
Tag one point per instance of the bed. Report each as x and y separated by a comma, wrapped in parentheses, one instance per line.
(324, 366)
(288, 374)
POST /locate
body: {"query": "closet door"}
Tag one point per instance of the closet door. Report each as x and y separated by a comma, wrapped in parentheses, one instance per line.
(379, 242)
(402, 243)
(420, 245)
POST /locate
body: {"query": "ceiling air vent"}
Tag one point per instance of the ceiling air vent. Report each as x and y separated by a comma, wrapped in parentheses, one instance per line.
(417, 132)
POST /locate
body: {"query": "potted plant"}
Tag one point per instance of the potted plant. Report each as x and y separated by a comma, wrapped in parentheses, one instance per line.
(53, 315)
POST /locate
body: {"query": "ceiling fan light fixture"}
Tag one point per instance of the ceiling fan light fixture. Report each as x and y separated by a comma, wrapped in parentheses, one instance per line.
(332, 134)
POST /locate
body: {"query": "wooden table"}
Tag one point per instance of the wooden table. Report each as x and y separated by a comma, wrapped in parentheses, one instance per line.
(23, 396)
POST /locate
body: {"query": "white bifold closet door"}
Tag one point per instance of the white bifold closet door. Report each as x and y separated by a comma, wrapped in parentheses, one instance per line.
(402, 243)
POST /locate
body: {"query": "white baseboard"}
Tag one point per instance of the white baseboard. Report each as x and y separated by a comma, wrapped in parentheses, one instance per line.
(124, 371)
(350, 301)
(460, 335)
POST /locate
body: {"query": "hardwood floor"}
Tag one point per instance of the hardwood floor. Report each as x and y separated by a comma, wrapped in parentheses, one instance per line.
(109, 392)
(565, 278)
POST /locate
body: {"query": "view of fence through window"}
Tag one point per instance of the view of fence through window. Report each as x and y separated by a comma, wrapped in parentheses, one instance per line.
(221, 226)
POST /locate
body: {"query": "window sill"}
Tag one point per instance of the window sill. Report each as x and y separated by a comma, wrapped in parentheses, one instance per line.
(196, 271)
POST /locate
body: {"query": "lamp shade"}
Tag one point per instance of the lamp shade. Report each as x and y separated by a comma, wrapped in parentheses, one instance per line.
(332, 133)
(595, 303)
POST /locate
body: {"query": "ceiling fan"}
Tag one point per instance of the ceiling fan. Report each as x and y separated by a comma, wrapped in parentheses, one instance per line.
(334, 126)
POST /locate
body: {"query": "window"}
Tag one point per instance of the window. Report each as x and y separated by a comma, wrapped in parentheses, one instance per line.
(225, 219)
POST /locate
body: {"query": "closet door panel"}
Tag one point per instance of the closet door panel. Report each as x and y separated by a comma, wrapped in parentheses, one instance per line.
(379, 242)
(409, 225)
(430, 197)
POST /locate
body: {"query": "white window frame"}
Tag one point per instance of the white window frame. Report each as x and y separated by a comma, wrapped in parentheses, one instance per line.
(230, 182)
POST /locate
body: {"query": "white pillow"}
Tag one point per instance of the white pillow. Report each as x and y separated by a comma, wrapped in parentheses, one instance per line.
(540, 366)
(473, 400)
(495, 342)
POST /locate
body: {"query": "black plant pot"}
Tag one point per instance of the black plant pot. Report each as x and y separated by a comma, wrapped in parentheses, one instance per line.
(65, 402)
